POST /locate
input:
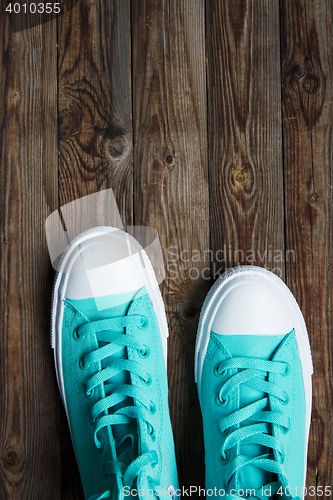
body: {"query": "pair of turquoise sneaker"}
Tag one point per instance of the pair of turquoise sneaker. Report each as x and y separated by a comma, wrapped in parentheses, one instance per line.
(252, 367)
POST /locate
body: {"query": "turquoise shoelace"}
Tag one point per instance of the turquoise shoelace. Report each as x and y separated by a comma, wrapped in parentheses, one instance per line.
(255, 432)
(103, 412)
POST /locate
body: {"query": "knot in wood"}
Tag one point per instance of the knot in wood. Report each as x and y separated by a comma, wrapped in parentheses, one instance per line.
(240, 176)
(117, 146)
(170, 162)
(298, 71)
(11, 458)
(114, 147)
(312, 197)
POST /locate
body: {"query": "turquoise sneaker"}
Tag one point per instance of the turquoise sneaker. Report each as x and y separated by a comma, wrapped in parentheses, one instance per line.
(253, 371)
(109, 334)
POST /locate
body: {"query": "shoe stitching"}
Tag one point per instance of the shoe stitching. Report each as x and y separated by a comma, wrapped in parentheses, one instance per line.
(290, 344)
(68, 324)
(76, 311)
(213, 347)
(146, 304)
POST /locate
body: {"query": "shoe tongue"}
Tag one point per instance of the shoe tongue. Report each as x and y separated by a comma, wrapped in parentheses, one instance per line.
(251, 346)
(111, 306)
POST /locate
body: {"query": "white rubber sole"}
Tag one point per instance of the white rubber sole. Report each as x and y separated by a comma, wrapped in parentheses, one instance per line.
(59, 292)
(212, 303)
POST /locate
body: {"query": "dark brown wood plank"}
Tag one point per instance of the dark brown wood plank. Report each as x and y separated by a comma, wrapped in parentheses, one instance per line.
(29, 406)
(307, 77)
(245, 148)
(95, 106)
(171, 190)
(95, 129)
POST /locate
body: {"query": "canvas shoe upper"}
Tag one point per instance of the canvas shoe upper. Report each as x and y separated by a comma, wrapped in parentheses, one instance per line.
(253, 369)
(109, 336)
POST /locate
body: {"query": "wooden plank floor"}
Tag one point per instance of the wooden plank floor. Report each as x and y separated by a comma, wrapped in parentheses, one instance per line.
(212, 123)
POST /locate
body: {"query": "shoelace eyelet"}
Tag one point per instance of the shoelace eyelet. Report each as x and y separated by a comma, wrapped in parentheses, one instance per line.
(220, 402)
(152, 408)
(284, 430)
(101, 441)
(226, 431)
(82, 364)
(219, 374)
(171, 491)
(147, 382)
(144, 354)
(287, 370)
(76, 335)
(89, 394)
(282, 458)
(226, 457)
(285, 401)
(144, 323)
(92, 420)
(151, 432)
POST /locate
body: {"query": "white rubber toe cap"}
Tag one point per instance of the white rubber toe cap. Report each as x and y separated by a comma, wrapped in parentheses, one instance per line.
(104, 265)
(251, 309)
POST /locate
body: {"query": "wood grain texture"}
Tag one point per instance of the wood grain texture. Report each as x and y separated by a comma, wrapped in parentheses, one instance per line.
(95, 130)
(29, 407)
(95, 107)
(171, 189)
(245, 148)
(232, 147)
(307, 79)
